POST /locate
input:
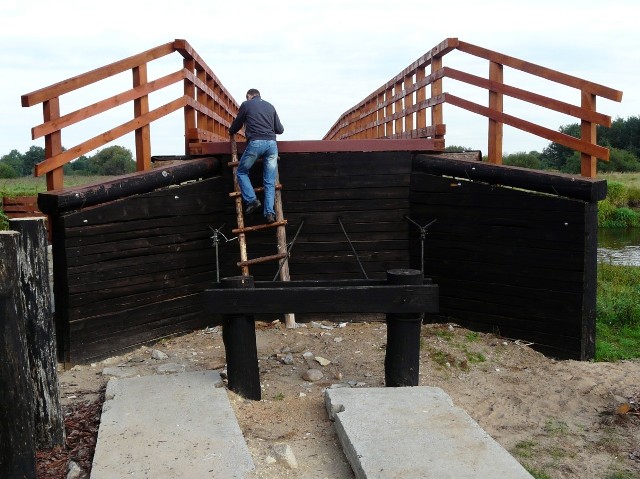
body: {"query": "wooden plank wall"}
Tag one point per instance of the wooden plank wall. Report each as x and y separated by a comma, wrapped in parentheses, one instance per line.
(133, 270)
(517, 262)
(509, 261)
(369, 192)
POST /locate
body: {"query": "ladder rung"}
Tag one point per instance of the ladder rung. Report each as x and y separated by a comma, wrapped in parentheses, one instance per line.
(236, 163)
(262, 259)
(260, 188)
(259, 227)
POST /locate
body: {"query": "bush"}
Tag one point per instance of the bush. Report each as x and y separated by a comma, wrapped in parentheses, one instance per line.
(524, 160)
(6, 171)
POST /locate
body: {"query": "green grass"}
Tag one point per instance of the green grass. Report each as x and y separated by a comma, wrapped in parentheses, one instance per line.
(620, 208)
(31, 186)
(618, 312)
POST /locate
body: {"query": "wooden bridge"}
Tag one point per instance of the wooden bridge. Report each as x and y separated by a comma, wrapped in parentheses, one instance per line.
(512, 250)
(402, 108)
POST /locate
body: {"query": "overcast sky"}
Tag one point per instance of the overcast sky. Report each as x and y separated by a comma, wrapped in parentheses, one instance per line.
(313, 60)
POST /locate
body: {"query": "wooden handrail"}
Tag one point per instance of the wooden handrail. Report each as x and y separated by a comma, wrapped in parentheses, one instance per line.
(208, 108)
(389, 111)
(398, 109)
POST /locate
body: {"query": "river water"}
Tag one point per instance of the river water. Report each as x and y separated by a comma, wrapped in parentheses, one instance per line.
(619, 246)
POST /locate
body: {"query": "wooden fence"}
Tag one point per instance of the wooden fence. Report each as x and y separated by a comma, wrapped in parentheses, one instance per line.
(400, 107)
(207, 106)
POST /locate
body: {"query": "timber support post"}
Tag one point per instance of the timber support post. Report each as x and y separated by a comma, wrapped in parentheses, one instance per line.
(17, 446)
(35, 296)
(239, 337)
(402, 359)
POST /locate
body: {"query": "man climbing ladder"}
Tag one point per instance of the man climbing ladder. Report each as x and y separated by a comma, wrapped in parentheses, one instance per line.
(261, 125)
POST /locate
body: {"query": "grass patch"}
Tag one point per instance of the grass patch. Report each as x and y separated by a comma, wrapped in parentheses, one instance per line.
(618, 312)
(475, 357)
(524, 449)
(472, 336)
(536, 473)
(555, 427)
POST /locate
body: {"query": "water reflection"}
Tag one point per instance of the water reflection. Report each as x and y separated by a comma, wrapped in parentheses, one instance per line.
(619, 246)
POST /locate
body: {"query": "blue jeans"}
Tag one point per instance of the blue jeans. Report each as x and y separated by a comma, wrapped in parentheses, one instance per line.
(268, 151)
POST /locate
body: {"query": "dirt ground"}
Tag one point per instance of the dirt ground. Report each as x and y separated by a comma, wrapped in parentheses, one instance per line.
(561, 419)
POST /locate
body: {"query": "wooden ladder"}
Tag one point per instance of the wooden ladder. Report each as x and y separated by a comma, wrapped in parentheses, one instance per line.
(242, 230)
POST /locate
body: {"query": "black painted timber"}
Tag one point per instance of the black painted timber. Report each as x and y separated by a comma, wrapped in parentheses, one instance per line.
(56, 202)
(365, 298)
(571, 186)
(512, 251)
(517, 262)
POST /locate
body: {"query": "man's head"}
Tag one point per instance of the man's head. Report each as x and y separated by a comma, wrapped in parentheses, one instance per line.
(251, 93)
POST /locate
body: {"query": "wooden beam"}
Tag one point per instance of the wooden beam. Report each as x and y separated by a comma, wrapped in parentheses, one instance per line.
(141, 108)
(93, 76)
(104, 105)
(541, 71)
(58, 161)
(591, 190)
(551, 135)
(327, 299)
(55, 202)
(329, 146)
(494, 149)
(529, 97)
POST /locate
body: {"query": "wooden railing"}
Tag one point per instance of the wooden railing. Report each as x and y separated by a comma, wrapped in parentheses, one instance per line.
(400, 107)
(208, 108)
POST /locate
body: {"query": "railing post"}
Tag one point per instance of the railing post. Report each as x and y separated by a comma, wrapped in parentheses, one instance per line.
(402, 359)
(437, 116)
(588, 163)
(494, 150)
(421, 95)
(379, 116)
(189, 112)
(142, 134)
(53, 143)
(239, 337)
(397, 110)
(408, 102)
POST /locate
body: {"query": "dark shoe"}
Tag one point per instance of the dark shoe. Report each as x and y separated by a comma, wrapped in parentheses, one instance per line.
(252, 207)
(270, 219)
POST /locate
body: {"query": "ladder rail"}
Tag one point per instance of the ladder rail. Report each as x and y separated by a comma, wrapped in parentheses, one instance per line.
(279, 224)
(242, 240)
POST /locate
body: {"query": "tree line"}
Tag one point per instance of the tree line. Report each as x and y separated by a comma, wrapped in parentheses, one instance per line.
(622, 139)
(113, 160)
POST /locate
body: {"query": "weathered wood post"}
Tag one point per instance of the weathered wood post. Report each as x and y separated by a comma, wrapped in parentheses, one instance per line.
(402, 359)
(17, 447)
(35, 295)
(239, 337)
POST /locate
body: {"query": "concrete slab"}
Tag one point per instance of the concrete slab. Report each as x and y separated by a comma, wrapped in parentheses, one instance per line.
(415, 432)
(171, 426)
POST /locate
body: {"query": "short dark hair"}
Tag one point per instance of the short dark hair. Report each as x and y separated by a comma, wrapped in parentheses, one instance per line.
(252, 92)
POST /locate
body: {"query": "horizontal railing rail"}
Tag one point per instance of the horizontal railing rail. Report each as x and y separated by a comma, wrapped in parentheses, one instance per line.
(208, 108)
(401, 108)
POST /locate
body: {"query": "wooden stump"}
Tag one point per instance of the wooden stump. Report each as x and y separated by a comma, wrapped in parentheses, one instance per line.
(17, 447)
(33, 269)
(402, 359)
(239, 337)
